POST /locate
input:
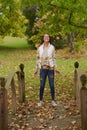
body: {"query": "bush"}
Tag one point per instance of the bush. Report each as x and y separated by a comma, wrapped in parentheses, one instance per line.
(78, 46)
(60, 44)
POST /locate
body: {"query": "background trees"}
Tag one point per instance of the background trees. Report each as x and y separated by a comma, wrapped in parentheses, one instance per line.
(61, 19)
(11, 18)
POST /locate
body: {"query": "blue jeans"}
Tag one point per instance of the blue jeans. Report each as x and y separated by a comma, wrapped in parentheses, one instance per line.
(43, 75)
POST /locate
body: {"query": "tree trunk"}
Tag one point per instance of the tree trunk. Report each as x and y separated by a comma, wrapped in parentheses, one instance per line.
(70, 38)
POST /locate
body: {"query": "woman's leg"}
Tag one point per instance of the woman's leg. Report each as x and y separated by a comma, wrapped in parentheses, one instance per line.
(43, 75)
(51, 82)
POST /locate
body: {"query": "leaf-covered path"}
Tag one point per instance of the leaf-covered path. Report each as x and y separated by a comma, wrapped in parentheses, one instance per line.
(31, 117)
(28, 116)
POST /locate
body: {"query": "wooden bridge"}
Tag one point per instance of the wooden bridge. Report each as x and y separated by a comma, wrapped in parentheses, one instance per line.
(80, 91)
(5, 84)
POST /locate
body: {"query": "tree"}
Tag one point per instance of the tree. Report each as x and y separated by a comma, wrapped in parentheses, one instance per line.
(61, 18)
(30, 13)
(11, 18)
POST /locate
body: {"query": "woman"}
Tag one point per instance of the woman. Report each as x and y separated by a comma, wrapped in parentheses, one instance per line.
(46, 62)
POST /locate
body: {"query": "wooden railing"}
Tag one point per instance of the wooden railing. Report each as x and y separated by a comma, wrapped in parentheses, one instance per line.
(5, 84)
(80, 82)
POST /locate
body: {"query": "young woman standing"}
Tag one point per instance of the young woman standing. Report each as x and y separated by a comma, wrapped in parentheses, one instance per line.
(46, 62)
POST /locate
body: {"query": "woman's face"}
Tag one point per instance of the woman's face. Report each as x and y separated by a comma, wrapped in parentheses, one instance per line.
(46, 38)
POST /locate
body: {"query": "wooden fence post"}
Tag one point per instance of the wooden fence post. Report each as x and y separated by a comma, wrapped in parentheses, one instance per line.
(77, 84)
(83, 97)
(21, 83)
(76, 65)
(3, 106)
(13, 96)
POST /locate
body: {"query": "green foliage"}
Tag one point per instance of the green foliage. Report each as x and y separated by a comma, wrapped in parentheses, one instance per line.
(11, 19)
(60, 44)
(30, 14)
(55, 18)
(78, 46)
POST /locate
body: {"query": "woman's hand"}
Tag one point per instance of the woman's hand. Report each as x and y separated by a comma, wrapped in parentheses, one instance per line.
(57, 71)
(35, 73)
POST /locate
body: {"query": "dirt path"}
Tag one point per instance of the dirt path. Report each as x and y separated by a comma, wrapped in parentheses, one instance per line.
(30, 117)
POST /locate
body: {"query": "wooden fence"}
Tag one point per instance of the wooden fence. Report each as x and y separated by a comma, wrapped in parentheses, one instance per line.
(5, 84)
(80, 83)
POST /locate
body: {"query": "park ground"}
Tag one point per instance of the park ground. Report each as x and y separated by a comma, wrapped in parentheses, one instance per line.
(66, 115)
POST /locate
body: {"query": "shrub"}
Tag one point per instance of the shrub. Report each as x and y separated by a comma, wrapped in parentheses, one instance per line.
(78, 46)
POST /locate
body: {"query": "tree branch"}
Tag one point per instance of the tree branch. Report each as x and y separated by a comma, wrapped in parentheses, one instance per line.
(73, 24)
(70, 17)
(56, 7)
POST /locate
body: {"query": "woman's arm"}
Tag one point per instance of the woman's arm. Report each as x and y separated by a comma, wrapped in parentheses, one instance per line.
(54, 57)
(37, 62)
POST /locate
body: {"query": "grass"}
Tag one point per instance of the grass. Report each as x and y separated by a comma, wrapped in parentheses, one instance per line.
(10, 60)
(14, 42)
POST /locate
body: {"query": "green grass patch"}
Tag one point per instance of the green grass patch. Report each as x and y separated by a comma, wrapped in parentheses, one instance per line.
(14, 42)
